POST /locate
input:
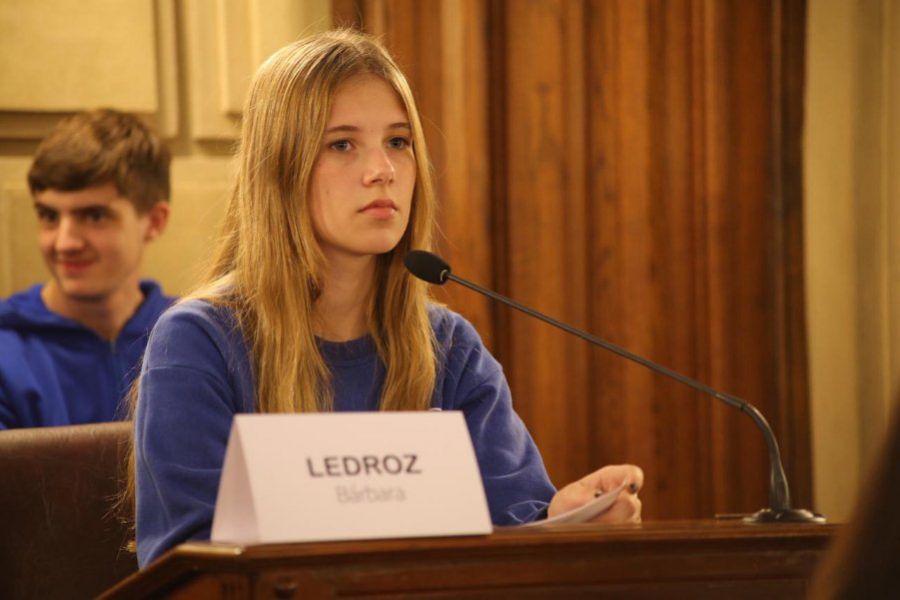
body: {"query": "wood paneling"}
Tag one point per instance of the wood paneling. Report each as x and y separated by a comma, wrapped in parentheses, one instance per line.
(54, 44)
(444, 50)
(57, 58)
(647, 282)
(184, 66)
(788, 264)
(630, 167)
(225, 42)
(545, 262)
(735, 195)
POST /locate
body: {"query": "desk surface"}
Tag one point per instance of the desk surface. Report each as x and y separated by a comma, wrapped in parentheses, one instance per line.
(703, 558)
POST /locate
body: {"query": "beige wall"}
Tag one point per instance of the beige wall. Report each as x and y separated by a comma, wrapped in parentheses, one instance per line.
(183, 66)
(852, 218)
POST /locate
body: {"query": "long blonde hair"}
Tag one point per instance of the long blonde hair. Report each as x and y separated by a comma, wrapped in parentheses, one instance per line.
(268, 265)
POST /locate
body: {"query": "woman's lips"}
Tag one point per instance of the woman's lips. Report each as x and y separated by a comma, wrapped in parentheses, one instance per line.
(380, 209)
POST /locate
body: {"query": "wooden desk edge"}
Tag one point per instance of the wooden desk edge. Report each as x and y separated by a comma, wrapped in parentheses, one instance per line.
(188, 559)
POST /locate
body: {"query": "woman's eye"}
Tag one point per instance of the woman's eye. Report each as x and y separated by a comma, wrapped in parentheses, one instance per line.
(398, 143)
(340, 145)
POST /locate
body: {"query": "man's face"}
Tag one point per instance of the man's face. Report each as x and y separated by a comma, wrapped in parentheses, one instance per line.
(92, 240)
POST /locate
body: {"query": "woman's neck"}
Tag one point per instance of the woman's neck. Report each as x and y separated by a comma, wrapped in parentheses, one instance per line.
(341, 311)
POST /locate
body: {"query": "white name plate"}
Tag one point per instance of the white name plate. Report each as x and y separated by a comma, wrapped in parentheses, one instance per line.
(347, 476)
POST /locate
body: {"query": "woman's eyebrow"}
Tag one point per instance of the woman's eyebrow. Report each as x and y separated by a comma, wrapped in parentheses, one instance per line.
(342, 128)
(354, 128)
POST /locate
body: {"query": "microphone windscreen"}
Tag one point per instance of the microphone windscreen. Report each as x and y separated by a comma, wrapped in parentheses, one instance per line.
(427, 266)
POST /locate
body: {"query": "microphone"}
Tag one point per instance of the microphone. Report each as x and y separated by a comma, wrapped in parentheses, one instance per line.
(433, 269)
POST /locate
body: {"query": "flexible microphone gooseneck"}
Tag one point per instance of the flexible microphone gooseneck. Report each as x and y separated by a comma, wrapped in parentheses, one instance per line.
(433, 269)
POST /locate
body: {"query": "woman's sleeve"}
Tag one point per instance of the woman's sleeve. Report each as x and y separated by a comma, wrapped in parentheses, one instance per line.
(515, 480)
(186, 404)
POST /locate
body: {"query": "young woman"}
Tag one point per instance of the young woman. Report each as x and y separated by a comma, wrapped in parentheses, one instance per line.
(308, 306)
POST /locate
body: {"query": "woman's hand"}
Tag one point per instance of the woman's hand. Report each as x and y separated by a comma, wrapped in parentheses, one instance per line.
(626, 508)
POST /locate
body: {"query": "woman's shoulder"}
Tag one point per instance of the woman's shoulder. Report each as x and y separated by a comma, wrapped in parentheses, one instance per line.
(196, 323)
(199, 311)
(451, 329)
(465, 364)
(200, 335)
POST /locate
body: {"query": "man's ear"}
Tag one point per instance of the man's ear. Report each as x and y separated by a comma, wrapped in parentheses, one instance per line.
(158, 217)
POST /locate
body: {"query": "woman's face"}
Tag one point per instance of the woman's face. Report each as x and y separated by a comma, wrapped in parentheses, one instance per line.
(363, 180)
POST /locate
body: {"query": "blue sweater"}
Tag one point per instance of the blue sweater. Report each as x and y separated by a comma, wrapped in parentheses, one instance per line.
(55, 371)
(197, 375)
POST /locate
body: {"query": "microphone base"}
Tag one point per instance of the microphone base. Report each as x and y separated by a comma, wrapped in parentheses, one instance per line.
(789, 515)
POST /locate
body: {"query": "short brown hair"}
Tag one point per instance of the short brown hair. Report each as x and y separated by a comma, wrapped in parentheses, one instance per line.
(103, 146)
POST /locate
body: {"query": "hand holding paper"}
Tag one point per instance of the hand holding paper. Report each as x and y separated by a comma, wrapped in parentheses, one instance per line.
(624, 508)
(584, 513)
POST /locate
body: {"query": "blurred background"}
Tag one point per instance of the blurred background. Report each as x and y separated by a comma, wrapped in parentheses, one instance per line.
(714, 184)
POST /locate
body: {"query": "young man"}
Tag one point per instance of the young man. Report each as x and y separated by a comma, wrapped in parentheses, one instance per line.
(70, 349)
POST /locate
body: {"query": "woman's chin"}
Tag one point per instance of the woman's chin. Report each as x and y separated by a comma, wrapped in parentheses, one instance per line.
(379, 246)
(360, 249)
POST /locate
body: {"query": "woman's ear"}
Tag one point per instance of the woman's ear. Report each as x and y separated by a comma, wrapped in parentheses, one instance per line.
(158, 218)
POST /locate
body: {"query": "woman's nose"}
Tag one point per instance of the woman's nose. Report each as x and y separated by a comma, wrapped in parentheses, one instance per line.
(379, 168)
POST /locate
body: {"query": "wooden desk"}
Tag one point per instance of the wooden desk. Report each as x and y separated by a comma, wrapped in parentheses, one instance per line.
(686, 559)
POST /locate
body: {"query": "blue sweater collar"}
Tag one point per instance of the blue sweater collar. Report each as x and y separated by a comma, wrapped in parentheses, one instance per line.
(355, 351)
(26, 311)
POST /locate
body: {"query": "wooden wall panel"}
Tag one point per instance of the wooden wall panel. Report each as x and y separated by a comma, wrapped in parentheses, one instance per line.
(197, 55)
(545, 260)
(21, 265)
(60, 57)
(642, 184)
(788, 263)
(738, 212)
(444, 50)
(225, 42)
(55, 44)
(646, 285)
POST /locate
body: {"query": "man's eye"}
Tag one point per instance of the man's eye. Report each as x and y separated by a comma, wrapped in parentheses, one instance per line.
(47, 216)
(399, 143)
(340, 145)
(94, 216)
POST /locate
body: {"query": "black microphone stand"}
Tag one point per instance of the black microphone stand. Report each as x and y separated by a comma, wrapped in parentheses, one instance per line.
(779, 510)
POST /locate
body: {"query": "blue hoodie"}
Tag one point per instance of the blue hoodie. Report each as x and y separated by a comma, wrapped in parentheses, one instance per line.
(55, 371)
(197, 375)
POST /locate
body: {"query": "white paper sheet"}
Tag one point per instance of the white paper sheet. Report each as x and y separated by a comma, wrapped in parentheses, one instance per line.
(583, 513)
